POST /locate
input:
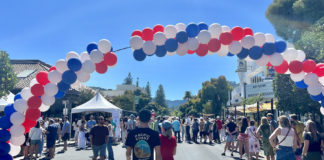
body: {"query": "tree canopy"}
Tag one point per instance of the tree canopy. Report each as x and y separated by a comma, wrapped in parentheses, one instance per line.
(129, 79)
(8, 78)
(160, 97)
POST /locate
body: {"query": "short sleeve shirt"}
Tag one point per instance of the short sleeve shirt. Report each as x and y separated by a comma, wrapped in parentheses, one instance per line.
(231, 126)
(176, 125)
(91, 123)
(167, 147)
(142, 141)
(52, 131)
(99, 134)
(314, 146)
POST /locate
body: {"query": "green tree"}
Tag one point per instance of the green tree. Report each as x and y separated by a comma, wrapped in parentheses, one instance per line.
(148, 90)
(129, 79)
(126, 101)
(8, 78)
(187, 96)
(160, 97)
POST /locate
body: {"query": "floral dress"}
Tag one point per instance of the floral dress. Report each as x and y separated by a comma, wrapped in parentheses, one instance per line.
(254, 144)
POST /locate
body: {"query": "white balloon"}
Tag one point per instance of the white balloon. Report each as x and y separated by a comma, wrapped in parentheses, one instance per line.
(54, 76)
(300, 55)
(96, 56)
(322, 110)
(290, 54)
(76, 85)
(263, 61)
(225, 29)
(248, 42)
(180, 27)
(48, 100)
(204, 37)
(70, 55)
(276, 59)
(136, 42)
(44, 108)
(20, 105)
(17, 141)
(315, 89)
(17, 118)
(269, 38)
(149, 47)
(33, 82)
(235, 47)
(182, 49)
(159, 38)
(311, 79)
(84, 56)
(321, 80)
(14, 150)
(297, 77)
(259, 39)
(193, 44)
(17, 130)
(50, 89)
(215, 30)
(223, 51)
(26, 93)
(171, 53)
(170, 31)
(88, 66)
(61, 66)
(104, 45)
(83, 76)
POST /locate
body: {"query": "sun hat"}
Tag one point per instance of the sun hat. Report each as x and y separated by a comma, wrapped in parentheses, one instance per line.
(166, 125)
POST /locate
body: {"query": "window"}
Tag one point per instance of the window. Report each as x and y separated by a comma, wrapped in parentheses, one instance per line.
(26, 73)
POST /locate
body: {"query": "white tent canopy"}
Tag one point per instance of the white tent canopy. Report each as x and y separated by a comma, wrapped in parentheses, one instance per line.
(5, 100)
(97, 104)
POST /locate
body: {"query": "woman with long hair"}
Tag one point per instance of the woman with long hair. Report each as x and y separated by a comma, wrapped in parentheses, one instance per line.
(168, 141)
(35, 136)
(81, 138)
(312, 142)
(287, 140)
(264, 132)
(243, 138)
(254, 144)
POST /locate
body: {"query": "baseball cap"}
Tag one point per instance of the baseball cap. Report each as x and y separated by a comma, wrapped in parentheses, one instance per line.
(166, 125)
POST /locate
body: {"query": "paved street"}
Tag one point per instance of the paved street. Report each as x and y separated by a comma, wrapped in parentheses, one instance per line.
(185, 151)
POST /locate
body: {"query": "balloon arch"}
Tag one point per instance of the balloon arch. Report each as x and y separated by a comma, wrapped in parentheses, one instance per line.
(178, 39)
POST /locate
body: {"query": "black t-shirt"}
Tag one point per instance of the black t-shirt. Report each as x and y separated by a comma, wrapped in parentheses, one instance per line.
(231, 127)
(314, 146)
(99, 134)
(143, 141)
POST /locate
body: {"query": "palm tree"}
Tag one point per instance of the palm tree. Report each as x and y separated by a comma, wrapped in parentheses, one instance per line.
(187, 96)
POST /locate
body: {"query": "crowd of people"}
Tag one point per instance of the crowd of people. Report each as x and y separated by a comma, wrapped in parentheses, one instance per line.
(145, 137)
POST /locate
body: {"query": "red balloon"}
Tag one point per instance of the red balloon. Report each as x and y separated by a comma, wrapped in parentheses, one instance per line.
(28, 123)
(147, 34)
(52, 68)
(110, 59)
(34, 102)
(226, 38)
(137, 33)
(309, 65)
(191, 52)
(214, 45)
(202, 50)
(42, 77)
(27, 129)
(319, 70)
(247, 31)
(33, 114)
(101, 67)
(283, 68)
(269, 64)
(238, 33)
(158, 28)
(37, 90)
(295, 67)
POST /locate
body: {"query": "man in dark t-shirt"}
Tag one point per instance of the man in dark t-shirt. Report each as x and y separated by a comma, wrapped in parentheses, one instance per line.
(99, 138)
(143, 140)
(231, 130)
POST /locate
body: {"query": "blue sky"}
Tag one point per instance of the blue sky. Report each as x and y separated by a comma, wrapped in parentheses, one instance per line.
(48, 30)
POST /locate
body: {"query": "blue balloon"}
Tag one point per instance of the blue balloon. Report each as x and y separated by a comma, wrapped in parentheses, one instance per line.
(192, 30)
(171, 45)
(59, 94)
(317, 97)
(243, 54)
(69, 77)
(91, 46)
(269, 48)
(9, 109)
(17, 96)
(280, 46)
(322, 103)
(182, 37)
(5, 122)
(230, 54)
(4, 148)
(6, 157)
(202, 26)
(74, 64)
(160, 51)
(139, 54)
(63, 86)
(255, 53)
(301, 84)
(111, 49)
(4, 135)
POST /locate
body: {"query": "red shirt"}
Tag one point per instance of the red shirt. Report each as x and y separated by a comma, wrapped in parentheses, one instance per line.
(167, 147)
(219, 124)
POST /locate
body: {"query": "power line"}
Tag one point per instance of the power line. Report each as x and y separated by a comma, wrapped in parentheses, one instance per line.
(121, 49)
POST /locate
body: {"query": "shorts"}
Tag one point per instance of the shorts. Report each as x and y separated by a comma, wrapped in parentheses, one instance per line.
(35, 142)
(50, 142)
(97, 149)
(230, 138)
(66, 137)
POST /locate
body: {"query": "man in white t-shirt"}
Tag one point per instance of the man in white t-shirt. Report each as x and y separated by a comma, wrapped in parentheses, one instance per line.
(188, 124)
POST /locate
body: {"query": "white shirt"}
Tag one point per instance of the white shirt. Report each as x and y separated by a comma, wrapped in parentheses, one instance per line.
(188, 121)
(289, 141)
(35, 133)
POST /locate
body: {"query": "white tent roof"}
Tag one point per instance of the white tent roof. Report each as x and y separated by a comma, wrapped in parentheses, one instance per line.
(5, 100)
(97, 104)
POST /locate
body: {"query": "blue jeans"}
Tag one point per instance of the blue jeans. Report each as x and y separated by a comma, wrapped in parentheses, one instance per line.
(109, 149)
(97, 149)
(285, 153)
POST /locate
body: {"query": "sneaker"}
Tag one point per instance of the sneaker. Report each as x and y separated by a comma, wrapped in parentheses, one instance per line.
(232, 154)
(223, 154)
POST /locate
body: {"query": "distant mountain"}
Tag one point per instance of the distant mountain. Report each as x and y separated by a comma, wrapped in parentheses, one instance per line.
(175, 104)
